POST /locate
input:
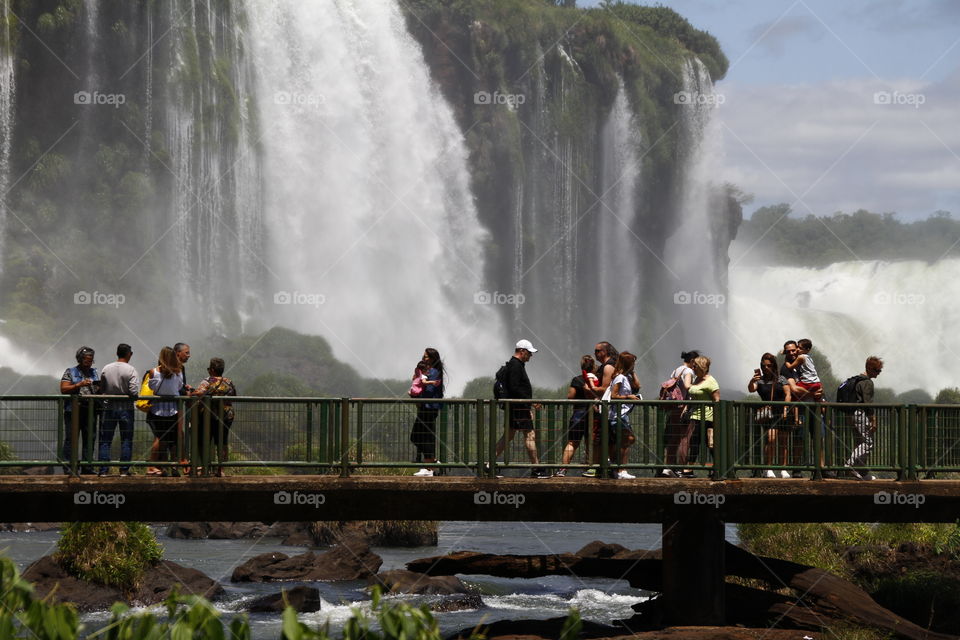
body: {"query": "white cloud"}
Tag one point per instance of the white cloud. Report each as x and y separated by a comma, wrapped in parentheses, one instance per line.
(850, 148)
(773, 36)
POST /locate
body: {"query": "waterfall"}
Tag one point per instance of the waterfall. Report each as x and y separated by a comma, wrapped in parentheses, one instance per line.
(698, 298)
(374, 238)
(216, 200)
(618, 272)
(904, 312)
(7, 92)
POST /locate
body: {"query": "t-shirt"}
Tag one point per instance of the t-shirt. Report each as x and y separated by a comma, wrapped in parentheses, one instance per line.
(679, 373)
(119, 379)
(580, 389)
(432, 390)
(704, 391)
(621, 387)
(73, 375)
(763, 389)
(165, 386)
(807, 371)
(864, 391)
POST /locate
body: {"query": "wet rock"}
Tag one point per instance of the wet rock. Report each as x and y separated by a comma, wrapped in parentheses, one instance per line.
(302, 599)
(597, 549)
(351, 560)
(48, 577)
(467, 602)
(27, 527)
(401, 581)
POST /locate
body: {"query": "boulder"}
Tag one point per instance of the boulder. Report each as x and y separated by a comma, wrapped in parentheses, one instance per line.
(48, 577)
(597, 549)
(188, 530)
(302, 599)
(350, 560)
(27, 527)
(467, 602)
(236, 530)
(401, 581)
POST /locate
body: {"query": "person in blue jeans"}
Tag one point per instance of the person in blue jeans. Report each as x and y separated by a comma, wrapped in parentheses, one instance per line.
(118, 379)
(82, 380)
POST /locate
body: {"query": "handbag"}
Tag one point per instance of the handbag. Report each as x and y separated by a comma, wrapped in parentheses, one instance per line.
(145, 390)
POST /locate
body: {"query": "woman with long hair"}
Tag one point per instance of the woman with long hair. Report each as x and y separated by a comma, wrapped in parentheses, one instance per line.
(622, 388)
(424, 434)
(770, 385)
(704, 388)
(163, 417)
(677, 422)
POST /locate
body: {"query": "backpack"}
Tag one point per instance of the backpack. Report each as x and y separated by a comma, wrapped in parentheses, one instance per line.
(847, 391)
(500, 383)
(671, 389)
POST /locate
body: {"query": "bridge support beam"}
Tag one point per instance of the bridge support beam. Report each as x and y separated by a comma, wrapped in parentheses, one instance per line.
(693, 570)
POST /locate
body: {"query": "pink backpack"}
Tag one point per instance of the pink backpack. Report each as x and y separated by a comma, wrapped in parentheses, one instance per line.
(672, 389)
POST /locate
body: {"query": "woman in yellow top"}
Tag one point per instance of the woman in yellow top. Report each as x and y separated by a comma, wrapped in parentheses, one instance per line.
(704, 388)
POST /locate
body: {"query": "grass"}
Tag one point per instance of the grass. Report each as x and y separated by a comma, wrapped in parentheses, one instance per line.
(114, 554)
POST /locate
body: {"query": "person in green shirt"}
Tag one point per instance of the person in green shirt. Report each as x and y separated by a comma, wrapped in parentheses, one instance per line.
(704, 388)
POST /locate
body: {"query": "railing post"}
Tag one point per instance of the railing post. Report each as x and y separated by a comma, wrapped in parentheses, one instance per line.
(479, 423)
(344, 437)
(74, 435)
(908, 442)
(492, 439)
(817, 447)
(308, 454)
(724, 442)
(604, 439)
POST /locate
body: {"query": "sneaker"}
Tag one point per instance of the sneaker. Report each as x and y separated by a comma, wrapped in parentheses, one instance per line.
(560, 473)
(853, 473)
(623, 474)
(784, 473)
(423, 473)
(668, 473)
(539, 472)
(769, 474)
(688, 474)
(590, 473)
(868, 476)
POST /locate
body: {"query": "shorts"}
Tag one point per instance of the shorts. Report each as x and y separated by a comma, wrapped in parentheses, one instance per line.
(614, 426)
(810, 386)
(520, 418)
(577, 429)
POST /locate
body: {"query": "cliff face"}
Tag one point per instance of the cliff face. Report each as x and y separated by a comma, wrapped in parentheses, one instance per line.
(138, 149)
(584, 129)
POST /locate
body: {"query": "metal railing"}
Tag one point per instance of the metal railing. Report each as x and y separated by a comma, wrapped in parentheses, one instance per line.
(373, 436)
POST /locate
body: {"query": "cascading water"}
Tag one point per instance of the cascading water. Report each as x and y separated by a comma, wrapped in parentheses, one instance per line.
(7, 91)
(690, 269)
(216, 195)
(375, 242)
(618, 272)
(904, 312)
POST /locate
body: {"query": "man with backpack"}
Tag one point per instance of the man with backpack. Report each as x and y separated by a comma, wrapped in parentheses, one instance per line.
(512, 382)
(859, 389)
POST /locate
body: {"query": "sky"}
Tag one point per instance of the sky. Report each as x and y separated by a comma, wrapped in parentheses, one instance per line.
(837, 106)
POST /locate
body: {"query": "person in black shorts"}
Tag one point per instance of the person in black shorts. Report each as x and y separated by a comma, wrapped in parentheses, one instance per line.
(521, 414)
(586, 386)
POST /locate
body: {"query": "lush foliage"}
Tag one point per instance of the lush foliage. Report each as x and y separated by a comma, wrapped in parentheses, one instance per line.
(948, 396)
(23, 615)
(779, 237)
(109, 553)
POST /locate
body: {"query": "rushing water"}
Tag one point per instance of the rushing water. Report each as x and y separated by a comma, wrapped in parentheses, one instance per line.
(367, 189)
(7, 88)
(599, 599)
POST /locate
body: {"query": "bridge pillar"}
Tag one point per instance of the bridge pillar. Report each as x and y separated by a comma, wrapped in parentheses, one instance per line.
(693, 570)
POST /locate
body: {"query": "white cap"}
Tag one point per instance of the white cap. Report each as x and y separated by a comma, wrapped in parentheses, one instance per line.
(526, 344)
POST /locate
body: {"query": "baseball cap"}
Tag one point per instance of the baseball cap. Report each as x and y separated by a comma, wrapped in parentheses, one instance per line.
(526, 344)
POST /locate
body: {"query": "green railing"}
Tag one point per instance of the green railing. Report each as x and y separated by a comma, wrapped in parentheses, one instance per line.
(348, 436)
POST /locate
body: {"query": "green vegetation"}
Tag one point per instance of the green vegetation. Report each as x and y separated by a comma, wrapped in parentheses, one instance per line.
(23, 615)
(109, 553)
(948, 396)
(912, 569)
(816, 241)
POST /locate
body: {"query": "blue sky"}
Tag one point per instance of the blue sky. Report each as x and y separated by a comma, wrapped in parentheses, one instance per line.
(838, 105)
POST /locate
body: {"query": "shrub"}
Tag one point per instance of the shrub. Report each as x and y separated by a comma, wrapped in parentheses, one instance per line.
(113, 554)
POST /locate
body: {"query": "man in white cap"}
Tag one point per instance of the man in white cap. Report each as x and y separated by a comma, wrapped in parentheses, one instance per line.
(521, 415)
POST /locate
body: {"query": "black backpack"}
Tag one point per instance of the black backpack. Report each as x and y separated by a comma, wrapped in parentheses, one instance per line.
(847, 391)
(500, 383)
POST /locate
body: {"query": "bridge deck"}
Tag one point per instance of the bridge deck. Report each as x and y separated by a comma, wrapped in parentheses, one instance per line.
(307, 498)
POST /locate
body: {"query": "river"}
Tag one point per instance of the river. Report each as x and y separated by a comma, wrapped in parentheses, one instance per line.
(598, 599)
